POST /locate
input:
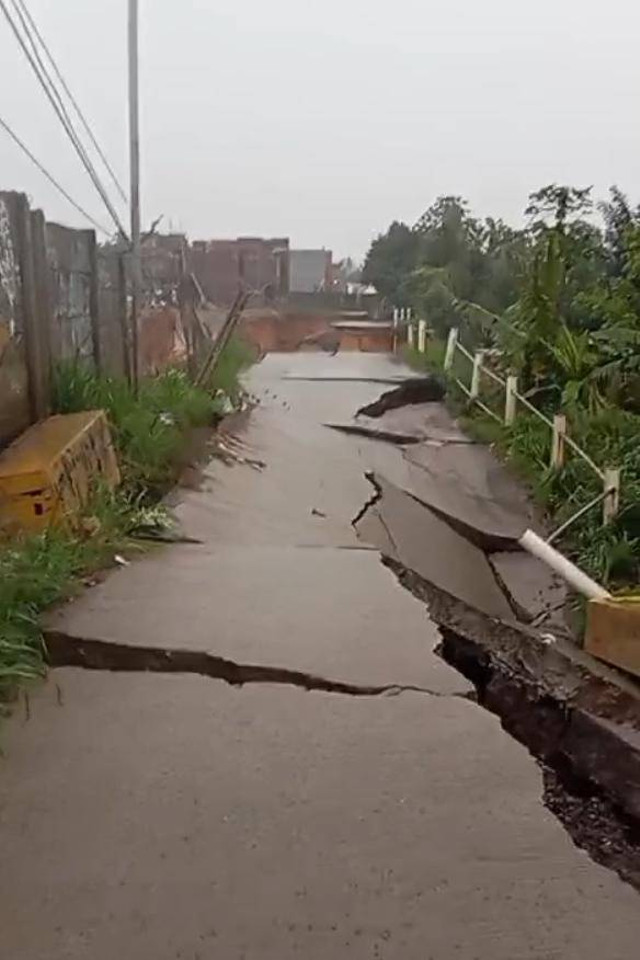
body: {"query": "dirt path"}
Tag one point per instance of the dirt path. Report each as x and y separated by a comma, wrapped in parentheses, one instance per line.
(296, 800)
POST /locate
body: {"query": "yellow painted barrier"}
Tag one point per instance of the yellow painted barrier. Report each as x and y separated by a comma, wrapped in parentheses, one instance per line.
(48, 473)
(613, 632)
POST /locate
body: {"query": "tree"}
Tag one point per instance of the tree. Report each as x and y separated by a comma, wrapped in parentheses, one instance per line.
(618, 217)
(468, 267)
(559, 201)
(391, 258)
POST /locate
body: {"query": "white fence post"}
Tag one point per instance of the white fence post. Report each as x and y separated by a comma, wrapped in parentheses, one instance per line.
(611, 503)
(478, 357)
(396, 318)
(410, 337)
(422, 336)
(557, 440)
(451, 348)
(510, 401)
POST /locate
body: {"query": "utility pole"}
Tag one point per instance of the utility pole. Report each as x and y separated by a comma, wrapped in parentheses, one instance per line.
(134, 168)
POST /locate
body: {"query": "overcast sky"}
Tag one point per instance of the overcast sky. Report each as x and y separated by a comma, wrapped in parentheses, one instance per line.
(323, 120)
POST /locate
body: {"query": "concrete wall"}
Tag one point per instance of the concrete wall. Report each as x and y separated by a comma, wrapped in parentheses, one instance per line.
(309, 270)
(71, 260)
(112, 309)
(62, 298)
(14, 384)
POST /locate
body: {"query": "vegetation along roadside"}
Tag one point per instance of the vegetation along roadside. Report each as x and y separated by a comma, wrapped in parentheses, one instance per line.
(559, 302)
(151, 433)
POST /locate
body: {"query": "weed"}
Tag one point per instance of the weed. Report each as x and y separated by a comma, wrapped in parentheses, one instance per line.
(236, 357)
(149, 429)
(150, 433)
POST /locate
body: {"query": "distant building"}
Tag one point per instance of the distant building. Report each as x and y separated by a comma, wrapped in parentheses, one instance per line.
(310, 271)
(249, 263)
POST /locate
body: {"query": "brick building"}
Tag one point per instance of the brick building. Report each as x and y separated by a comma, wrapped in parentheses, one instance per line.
(249, 263)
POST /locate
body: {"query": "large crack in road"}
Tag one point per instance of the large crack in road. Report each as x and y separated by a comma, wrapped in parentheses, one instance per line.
(590, 783)
(88, 653)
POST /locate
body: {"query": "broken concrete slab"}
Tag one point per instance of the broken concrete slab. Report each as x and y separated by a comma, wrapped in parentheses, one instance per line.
(427, 389)
(190, 820)
(274, 505)
(414, 536)
(471, 484)
(426, 421)
(373, 433)
(534, 587)
(546, 695)
(328, 613)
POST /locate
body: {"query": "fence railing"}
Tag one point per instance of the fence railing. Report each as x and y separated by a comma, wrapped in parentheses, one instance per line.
(561, 441)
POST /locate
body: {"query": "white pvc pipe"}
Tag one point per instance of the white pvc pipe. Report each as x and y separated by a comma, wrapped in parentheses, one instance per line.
(573, 575)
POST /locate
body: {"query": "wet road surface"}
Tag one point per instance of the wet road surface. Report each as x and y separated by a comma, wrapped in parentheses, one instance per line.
(171, 816)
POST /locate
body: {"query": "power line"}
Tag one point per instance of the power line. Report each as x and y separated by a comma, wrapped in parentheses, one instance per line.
(14, 136)
(57, 103)
(54, 98)
(72, 99)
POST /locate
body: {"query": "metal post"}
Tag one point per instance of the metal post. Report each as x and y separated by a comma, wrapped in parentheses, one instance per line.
(134, 169)
(478, 357)
(557, 441)
(611, 503)
(451, 348)
(510, 401)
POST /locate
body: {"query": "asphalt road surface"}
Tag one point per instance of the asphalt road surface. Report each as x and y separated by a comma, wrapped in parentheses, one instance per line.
(168, 816)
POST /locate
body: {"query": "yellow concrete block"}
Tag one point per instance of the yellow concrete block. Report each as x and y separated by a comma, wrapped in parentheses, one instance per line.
(49, 472)
(613, 632)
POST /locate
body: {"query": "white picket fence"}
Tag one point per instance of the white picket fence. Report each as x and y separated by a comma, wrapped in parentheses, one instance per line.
(561, 441)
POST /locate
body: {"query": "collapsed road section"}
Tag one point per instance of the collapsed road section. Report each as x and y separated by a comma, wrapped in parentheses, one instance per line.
(150, 812)
(577, 716)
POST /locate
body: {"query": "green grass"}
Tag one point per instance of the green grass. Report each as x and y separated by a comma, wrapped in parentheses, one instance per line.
(610, 554)
(432, 361)
(236, 357)
(37, 571)
(151, 433)
(148, 429)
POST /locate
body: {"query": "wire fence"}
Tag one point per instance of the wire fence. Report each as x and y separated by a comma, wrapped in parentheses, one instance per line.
(511, 400)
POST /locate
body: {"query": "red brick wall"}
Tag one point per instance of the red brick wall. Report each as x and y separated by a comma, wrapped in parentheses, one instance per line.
(224, 266)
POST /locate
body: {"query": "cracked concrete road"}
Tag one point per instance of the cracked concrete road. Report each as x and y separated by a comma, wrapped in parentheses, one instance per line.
(171, 816)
